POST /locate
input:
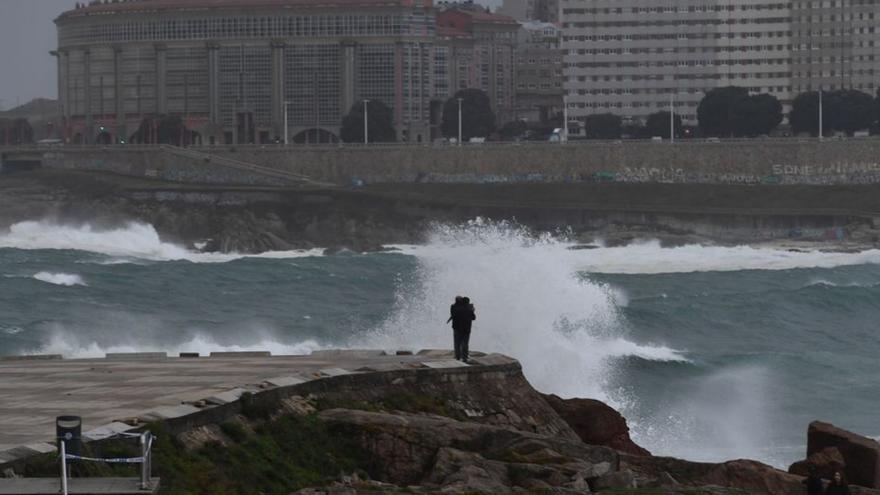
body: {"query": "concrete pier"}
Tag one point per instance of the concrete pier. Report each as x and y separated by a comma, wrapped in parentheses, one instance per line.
(124, 391)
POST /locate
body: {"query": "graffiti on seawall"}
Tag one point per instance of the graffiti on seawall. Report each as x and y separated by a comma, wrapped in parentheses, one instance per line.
(840, 168)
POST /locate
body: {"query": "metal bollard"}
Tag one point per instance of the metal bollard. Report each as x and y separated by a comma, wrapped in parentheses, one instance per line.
(146, 440)
(63, 468)
(144, 467)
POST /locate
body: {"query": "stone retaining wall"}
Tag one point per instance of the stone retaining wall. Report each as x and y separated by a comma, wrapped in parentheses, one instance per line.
(752, 162)
(854, 161)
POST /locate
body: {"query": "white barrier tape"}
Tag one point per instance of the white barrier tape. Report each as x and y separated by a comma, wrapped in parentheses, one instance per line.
(118, 460)
(111, 435)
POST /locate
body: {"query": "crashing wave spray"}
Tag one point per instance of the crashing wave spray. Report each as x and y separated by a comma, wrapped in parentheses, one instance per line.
(132, 241)
(531, 304)
(569, 334)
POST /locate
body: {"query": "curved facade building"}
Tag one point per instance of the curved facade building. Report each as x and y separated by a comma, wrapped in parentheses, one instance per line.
(229, 68)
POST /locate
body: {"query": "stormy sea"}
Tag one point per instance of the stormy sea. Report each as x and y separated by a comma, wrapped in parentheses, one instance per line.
(711, 353)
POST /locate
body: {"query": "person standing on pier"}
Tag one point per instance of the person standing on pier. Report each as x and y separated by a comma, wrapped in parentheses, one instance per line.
(462, 315)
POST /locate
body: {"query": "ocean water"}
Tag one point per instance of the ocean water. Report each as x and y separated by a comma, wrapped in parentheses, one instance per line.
(711, 353)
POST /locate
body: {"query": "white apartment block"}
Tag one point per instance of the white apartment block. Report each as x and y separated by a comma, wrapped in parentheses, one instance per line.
(835, 45)
(633, 57)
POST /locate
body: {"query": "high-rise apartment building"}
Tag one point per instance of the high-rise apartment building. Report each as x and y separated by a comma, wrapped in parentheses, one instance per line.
(531, 10)
(243, 71)
(637, 57)
(835, 45)
(538, 72)
(480, 47)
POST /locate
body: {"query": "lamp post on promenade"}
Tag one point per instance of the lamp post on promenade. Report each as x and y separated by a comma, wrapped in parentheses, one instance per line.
(564, 117)
(366, 129)
(459, 121)
(820, 113)
(672, 118)
(286, 128)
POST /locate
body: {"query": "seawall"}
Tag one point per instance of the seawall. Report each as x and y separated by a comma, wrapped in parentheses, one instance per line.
(751, 162)
(757, 161)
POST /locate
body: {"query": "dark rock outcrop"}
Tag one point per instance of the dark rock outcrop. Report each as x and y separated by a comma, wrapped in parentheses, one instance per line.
(460, 457)
(596, 423)
(859, 455)
(749, 476)
(826, 462)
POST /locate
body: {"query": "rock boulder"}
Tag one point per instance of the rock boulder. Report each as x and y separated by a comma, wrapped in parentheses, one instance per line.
(861, 455)
(439, 453)
(748, 476)
(596, 423)
(826, 462)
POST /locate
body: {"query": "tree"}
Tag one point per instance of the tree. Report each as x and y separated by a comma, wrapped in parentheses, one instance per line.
(604, 126)
(804, 115)
(731, 111)
(877, 107)
(762, 113)
(850, 110)
(380, 125)
(722, 111)
(842, 110)
(657, 124)
(16, 131)
(144, 133)
(170, 130)
(477, 117)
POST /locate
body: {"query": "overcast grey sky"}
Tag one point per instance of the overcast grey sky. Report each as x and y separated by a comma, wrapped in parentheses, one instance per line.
(27, 34)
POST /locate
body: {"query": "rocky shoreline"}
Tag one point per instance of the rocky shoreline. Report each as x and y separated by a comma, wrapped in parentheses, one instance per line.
(255, 219)
(465, 430)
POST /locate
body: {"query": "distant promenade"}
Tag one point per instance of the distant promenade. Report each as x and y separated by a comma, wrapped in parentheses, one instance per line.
(748, 161)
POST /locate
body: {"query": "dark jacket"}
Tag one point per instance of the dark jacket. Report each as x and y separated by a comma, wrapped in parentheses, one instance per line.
(463, 316)
(837, 490)
(814, 485)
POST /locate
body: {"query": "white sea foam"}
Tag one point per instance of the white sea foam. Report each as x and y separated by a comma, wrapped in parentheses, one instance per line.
(11, 330)
(70, 347)
(65, 279)
(135, 241)
(648, 257)
(531, 304)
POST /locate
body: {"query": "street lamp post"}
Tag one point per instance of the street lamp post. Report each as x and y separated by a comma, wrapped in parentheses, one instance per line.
(672, 118)
(459, 121)
(286, 128)
(564, 118)
(366, 124)
(820, 113)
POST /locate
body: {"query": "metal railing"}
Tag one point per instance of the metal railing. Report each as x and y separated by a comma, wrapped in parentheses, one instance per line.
(145, 460)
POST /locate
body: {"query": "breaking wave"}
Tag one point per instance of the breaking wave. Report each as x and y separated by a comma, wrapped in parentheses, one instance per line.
(70, 347)
(531, 303)
(65, 279)
(137, 241)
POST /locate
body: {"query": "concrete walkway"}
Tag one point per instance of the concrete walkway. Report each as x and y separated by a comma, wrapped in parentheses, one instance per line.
(113, 393)
(75, 486)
